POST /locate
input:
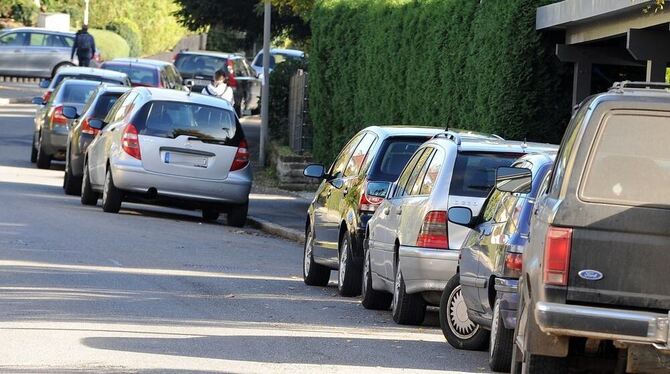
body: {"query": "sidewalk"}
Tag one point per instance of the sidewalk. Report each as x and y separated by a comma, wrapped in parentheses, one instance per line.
(278, 212)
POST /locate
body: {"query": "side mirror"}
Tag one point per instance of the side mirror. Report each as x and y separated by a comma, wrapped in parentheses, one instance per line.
(514, 180)
(38, 101)
(44, 83)
(70, 112)
(377, 190)
(460, 215)
(315, 171)
(97, 124)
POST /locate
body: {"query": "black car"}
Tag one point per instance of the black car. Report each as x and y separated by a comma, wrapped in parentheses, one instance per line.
(199, 66)
(351, 191)
(491, 258)
(81, 134)
(147, 73)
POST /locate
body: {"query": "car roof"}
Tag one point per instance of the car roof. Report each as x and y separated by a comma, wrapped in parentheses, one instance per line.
(80, 81)
(113, 88)
(164, 94)
(40, 29)
(405, 130)
(139, 65)
(93, 71)
(140, 61)
(210, 53)
(290, 52)
(491, 144)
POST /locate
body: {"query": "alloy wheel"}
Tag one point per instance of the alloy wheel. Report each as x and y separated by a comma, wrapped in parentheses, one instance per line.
(457, 318)
(307, 261)
(494, 328)
(396, 289)
(344, 256)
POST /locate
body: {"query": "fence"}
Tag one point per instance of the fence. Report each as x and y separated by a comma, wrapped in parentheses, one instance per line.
(300, 126)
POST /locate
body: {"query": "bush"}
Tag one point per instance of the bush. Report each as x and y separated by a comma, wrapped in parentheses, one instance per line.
(23, 11)
(280, 80)
(129, 31)
(447, 63)
(109, 44)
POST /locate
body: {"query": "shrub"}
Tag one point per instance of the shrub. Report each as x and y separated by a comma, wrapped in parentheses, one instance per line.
(447, 63)
(109, 44)
(23, 11)
(280, 80)
(129, 31)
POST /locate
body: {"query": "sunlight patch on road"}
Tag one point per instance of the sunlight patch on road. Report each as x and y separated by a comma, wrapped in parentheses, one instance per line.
(254, 196)
(10, 174)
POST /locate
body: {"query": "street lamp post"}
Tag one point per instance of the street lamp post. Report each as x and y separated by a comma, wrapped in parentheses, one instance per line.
(265, 94)
(86, 12)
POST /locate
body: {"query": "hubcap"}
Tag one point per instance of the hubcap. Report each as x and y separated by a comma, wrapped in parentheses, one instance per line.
(396, 289)
(308, 253)
(105, 190)
(343, 262)
(366, 268)
(494, 327)
(457, 316)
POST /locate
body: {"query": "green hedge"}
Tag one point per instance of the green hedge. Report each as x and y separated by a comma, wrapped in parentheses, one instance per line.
(129, 31)
(280, 80)
(109, 44)
(24, 11)
(448, 63)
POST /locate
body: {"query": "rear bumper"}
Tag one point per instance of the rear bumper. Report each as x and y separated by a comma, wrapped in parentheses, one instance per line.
(233, 190)
(426, 269)
(603, 323)
(54, 141)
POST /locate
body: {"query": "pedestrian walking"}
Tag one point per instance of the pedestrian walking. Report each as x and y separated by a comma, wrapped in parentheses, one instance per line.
(220, 88)
(84, 47)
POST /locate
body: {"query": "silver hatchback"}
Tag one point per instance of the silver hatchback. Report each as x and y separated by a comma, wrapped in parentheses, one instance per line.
(171, 148)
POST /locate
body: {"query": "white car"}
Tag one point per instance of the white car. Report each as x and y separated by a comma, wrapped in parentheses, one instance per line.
(277, 56)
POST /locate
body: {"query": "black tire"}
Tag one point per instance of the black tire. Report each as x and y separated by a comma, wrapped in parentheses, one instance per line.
(313, 274)
(407, 309)
(210, 215)
(349, 272)
(501, 342)
(43, 159)
(112, 197)
(237, 215)
(33, 151)
(372, 299)
(88, 196)
(71, 184)
(457, 328)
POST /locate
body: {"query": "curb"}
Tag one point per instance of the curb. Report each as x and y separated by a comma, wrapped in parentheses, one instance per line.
(275, 229)
(19, 100)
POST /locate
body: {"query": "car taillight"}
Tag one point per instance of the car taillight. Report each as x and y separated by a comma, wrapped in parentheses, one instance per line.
(57, 117)
(369, 203)
(241, 157)
(557, 256)
(513, 264)
(131, 141)
(46, 96)
(96, 57)
(433, 232)
(87, 129)
(232, 82)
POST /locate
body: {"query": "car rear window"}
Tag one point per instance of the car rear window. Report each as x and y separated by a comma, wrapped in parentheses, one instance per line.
(75, 93)
(105, 103)
(625, 167)
(61, 77)
(169, 119)
(139, 75)
(199, 65)
(393, 156)
(475, 172)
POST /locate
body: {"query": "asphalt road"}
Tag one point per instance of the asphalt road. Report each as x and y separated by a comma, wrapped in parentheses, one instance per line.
(155, 290)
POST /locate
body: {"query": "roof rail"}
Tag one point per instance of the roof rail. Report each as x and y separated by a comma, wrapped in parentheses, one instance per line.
(619, 86)
(455, 137)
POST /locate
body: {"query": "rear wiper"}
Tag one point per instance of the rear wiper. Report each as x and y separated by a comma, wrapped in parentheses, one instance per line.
(208, 141)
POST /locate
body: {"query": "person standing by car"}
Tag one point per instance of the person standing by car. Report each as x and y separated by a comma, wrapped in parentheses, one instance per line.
(220, 88)
(84, 46)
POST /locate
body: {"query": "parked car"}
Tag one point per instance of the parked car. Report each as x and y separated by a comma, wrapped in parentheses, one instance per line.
(595, 272)
(147, 72)
(199, 67)
(411, 249)
(347, 198)
(34, 52)
(82, 73)
(277, 56)
(81, 134)
(491, 258)
(173, 148)
(52, 120)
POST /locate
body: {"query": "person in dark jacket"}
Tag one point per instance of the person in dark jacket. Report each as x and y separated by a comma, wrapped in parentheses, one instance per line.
(84, 46)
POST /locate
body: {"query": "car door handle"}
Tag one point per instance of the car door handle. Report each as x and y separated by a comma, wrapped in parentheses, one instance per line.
(386, 211)
(399, 212)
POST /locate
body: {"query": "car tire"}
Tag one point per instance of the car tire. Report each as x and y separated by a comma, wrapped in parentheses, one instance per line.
(210, 215)
(458, 329)
(371, 298)
(88, 196)
(313, 274)
(71, 184)
(33, 151)
(43, 159)
(349, 271)
(501, 342)
(237, 215)
(112, 197)
(406, 309)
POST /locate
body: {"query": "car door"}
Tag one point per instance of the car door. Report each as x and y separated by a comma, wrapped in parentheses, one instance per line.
(254, 86)
(42, 53)
(12, 50)
(414, 205)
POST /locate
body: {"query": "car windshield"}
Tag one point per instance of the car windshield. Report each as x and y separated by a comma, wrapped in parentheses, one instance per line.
(393, 156)
(199, 65)
(139, 75)
(172, 119)
(475, 172)
(104, 104)
(61, 77)
(75, 93)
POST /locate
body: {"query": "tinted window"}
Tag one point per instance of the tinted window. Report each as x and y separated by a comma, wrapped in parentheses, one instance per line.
(172, 119)
(40, 40)
(393, 156)
(337, 169)
(432, 173)
(358, 157)
(139, 75)
(407, 173)
(15, 38)
(492, 205)
(199, 65)
(419, 170)
(475, 172)
(104, 104)
(625, 167)
(123, 107)
(75, 93)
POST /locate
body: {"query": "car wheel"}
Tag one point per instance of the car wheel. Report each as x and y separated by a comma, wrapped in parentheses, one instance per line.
(458, 329)
(501, 342)
(71, 184)
(43, 159)
(349, 272)
(88, 196)
(371, 298)
(111, 196)
(313, 274)
(33, 152)
(210, 215)
(407, 309)
(237, 215)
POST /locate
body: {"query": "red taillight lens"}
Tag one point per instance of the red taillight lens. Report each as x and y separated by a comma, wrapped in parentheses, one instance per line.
(513, 264)
(369, 203)
(96, 57)
(557, 256)
(241, 157)
(87, 129)
(433, 232)
(131, 141)
(46, 96)
(57, 117)
(232, 82)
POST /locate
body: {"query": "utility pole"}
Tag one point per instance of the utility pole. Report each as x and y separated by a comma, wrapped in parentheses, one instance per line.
(265, 94)
(86, 12)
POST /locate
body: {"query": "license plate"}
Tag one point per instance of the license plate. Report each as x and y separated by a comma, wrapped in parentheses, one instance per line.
(200, 82)
(183, 159)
